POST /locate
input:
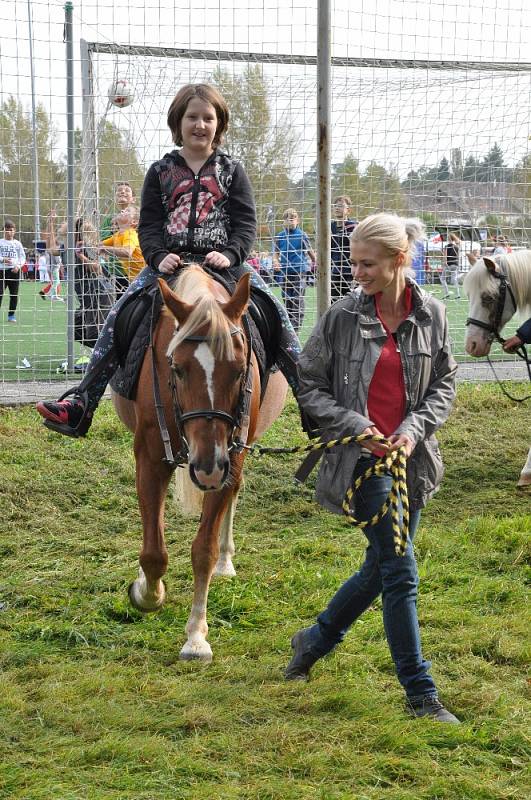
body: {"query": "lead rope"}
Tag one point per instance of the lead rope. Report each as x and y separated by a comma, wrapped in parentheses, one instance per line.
(395, 462)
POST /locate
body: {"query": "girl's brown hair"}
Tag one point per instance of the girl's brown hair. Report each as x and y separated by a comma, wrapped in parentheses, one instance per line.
(206, 93)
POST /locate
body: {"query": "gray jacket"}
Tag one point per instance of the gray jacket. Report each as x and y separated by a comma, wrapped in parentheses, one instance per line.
(336, 367)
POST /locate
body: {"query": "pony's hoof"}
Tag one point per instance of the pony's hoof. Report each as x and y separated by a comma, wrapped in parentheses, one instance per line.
(196, 652)
(224, 569)
(136, 600)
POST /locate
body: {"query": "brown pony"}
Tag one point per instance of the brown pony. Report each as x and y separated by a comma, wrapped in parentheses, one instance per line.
(199, 345)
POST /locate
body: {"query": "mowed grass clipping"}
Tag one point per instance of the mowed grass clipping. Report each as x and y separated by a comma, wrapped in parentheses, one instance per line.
(95, 704)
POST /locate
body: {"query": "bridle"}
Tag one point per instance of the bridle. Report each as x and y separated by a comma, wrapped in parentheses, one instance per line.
(238, 422)
(494, 330)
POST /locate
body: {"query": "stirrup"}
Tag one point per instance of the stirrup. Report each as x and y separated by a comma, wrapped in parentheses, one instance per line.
(82, 426)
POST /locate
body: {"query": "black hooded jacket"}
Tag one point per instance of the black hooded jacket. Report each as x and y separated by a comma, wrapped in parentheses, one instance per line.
(183, 212)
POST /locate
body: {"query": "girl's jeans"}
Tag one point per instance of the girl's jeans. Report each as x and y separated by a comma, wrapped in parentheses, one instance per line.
(104, 361)
(382, 572)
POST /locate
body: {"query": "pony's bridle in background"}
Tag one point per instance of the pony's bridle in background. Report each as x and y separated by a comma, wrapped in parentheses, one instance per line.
(238, 423)
(494, 330)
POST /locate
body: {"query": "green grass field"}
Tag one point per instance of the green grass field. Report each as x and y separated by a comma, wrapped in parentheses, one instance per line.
(95, 705)
(40, 333)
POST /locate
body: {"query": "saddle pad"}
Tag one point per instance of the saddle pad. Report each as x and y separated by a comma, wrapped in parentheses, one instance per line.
(132, 337)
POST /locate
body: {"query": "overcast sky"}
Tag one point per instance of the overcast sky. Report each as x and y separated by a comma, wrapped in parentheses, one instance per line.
(398, 118)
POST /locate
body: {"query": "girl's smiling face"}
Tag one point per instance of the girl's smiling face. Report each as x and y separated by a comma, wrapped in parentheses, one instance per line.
(198, 127)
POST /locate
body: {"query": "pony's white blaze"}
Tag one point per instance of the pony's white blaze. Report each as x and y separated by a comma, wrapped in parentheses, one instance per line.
(215, 477)
(206, 359)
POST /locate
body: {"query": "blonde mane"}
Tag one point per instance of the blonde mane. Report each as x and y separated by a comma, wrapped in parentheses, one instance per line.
(518, 268)
(195, 287)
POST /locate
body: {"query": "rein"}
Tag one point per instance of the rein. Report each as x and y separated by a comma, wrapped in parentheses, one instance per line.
(394, 462)
(494, 331)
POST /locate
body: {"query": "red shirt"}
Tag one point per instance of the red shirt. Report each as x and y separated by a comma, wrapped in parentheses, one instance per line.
(386, 401)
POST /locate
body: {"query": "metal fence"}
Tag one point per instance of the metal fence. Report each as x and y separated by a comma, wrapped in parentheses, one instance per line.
(414, 129)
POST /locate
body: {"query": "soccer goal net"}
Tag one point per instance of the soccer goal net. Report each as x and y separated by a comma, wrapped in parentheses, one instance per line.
(408, 136)
(429, 119)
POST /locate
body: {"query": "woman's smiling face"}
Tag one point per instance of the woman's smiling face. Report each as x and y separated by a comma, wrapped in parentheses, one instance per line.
(372, 267)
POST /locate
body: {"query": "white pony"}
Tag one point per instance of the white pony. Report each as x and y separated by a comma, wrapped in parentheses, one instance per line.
(496, 290)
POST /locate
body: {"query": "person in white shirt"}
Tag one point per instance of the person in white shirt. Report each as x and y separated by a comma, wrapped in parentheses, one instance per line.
(42, 264)
(12, 258)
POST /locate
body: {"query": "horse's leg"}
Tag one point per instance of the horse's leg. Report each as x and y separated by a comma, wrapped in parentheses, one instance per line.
(525, 475)
(224, 565)
(205, 553)
(147, 592)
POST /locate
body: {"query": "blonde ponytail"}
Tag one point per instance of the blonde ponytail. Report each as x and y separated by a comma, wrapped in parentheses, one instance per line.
(395, 234)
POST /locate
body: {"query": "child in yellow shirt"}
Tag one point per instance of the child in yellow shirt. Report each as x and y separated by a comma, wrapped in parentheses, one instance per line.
(124, 243)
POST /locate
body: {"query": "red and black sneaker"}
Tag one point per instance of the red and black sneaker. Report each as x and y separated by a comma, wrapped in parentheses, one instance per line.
(65, 416)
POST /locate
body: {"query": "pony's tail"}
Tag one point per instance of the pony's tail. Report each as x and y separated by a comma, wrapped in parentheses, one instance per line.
(186, 495)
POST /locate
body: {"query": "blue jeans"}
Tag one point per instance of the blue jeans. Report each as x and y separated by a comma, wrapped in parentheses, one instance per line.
(382, 572)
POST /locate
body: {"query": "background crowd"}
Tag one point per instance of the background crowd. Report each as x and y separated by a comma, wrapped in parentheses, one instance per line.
(108, 260)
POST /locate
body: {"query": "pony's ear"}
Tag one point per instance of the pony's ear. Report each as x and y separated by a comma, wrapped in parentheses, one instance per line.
(490, 264)
(180, 310)
(239, 301)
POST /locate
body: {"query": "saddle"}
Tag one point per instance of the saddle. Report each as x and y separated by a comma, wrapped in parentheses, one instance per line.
(132, 333)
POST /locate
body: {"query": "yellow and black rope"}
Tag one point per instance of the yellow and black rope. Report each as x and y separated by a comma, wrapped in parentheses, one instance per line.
(395, 462)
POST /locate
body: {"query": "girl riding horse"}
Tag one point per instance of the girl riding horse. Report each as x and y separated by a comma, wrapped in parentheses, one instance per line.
(197, 201)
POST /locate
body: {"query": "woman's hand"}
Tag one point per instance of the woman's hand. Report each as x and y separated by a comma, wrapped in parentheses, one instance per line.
(216, 260)
(393, 442)
(94, 267)
(374, 447)
(401, 440)
(512, 344)
(169, 264)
